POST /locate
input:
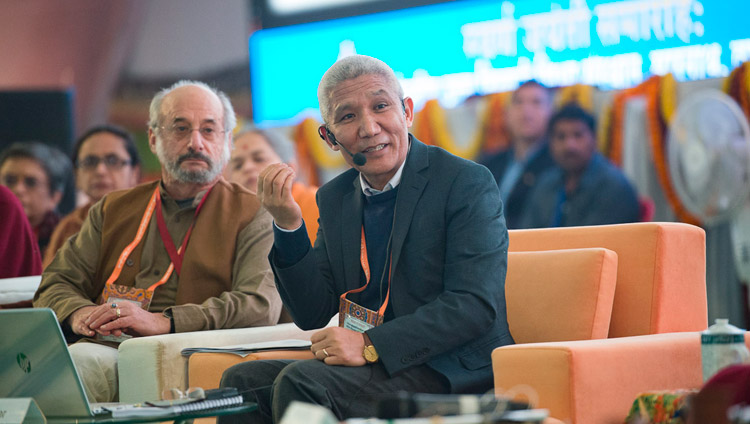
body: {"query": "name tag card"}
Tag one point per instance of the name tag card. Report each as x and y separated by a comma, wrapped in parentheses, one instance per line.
(20, 411)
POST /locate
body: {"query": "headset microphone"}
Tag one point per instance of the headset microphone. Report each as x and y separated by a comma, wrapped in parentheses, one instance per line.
(359, 159)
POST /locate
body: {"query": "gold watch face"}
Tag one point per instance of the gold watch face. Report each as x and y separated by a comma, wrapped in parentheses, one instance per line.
(370, 354)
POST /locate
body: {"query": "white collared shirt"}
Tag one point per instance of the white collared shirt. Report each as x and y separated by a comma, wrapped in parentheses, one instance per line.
(392, 183)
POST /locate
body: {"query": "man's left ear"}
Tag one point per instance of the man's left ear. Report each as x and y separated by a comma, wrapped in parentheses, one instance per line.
(408, 106)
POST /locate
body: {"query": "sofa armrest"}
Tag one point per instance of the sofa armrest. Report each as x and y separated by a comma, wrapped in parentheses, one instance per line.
(148, 365)
(596, 381)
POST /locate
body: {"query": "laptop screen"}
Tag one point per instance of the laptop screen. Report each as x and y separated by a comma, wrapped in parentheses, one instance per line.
(35, 362)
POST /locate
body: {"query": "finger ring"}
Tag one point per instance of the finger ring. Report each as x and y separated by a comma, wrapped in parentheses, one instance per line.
(117, 312)
(325, 352)
(114, 305)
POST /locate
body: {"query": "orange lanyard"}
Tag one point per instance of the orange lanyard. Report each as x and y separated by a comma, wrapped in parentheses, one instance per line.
(366, 268)
(153, 203)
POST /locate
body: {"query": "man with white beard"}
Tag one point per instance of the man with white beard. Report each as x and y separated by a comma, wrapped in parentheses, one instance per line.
(183, 253)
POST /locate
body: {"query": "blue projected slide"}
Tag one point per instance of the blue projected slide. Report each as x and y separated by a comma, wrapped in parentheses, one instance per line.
(450, 51)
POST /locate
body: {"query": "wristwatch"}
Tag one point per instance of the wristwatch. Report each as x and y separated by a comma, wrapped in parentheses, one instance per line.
(370, 354)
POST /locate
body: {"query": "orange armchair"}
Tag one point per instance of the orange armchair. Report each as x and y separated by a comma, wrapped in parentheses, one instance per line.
(660, 288)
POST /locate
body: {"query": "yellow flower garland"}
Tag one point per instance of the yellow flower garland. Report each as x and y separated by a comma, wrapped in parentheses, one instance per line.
(667, 97)
(580, 94)
(439, 130)
(322, 155)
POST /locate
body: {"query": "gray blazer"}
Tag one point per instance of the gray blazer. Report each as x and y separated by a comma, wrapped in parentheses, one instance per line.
(450, 250)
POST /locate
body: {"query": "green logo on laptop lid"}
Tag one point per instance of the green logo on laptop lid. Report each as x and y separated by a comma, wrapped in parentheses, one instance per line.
(24, 363)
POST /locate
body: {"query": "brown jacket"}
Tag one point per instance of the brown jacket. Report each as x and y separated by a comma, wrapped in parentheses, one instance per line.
(225, 280)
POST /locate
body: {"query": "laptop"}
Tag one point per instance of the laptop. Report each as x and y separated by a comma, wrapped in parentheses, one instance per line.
(35, 362)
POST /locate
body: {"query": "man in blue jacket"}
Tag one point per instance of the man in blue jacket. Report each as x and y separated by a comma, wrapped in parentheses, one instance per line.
(411, 252)
(584, 188)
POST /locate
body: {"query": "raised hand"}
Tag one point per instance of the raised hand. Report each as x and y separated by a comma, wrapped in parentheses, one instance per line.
(275, 193)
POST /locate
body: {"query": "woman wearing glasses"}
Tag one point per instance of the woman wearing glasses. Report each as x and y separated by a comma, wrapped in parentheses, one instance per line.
(106, 160)
(36, 173)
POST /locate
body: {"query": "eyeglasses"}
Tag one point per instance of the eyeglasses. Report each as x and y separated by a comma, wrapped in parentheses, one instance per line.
(176, 396)
(11, 180)
(181, 131)
(112, 162)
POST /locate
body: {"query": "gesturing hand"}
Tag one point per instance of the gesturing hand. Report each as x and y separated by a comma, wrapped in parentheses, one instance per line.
(338, 346)
(275, 194)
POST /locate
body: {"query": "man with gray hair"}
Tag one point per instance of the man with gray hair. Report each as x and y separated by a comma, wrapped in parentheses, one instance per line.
(255, 149)
(184, 253)
(411, 253)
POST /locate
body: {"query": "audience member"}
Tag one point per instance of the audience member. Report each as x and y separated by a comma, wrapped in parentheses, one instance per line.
(517, 169)
(199, 264)
(255, 149)
(36, 173)
(19, 251)
(584, 188)
(411, 252)
(105, 159)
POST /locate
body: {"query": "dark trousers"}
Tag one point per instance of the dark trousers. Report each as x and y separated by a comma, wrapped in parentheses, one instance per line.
(347, 391)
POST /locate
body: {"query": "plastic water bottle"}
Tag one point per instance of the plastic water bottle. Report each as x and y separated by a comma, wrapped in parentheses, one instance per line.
(722, 345)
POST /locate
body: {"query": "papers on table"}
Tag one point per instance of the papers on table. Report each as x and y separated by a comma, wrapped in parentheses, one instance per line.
(246, 349)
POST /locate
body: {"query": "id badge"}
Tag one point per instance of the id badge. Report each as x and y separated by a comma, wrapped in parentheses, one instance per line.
(358, 318)
(115, 293)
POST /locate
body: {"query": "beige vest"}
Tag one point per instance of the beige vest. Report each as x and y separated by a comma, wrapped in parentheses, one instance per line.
(207, 265)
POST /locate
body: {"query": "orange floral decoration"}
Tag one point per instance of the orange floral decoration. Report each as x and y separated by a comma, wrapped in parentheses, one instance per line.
(736, 86)
(430, 127)
(421, 126)
(494, 129)
(653, 90)
(604, 135)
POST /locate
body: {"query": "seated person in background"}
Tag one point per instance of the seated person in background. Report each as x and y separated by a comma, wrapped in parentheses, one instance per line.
(255, 149)
(584, 188)
(19, 251)
(36, 174)
(413, 234)
(185, 253)
(517, 169)
(106, 159)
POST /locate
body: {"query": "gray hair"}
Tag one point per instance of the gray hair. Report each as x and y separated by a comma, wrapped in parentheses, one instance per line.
(55, 163)
(154, 111)
(348, 68)
(280, 143)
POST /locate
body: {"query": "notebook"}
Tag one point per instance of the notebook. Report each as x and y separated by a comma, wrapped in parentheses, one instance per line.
(35, 362)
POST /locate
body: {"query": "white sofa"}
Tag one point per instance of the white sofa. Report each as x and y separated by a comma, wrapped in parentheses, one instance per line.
(19, 288)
